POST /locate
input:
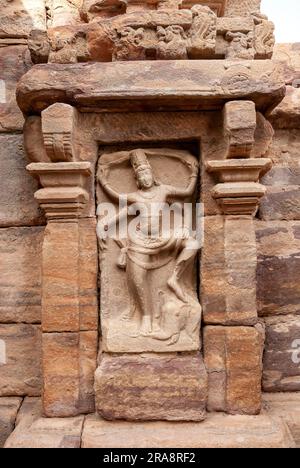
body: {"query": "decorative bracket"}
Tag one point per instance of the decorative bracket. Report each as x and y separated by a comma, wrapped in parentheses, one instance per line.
(59, 123)
(239, 128)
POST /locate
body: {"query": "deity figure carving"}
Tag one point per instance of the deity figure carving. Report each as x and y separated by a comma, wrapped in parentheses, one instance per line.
(241, 45)
(171, 43)
(129, 44)
(158, 260)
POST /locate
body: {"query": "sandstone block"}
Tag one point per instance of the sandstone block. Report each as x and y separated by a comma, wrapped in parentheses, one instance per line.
(218, 431)
(287, 406)
(239, 126)
(21, 367)
(233, 359)
(151, 87)
(69, 363)
(282, 199)
(34, 431)
(280, 203)
(282, 354)
(18, 18)
(61, 278)
(8, 412)
(20, 274)
(27, 407)
(278, 268)
(228, 269)
(17, 204)
(287, 113)
(14, 62)
(149, 387)
(70, 277)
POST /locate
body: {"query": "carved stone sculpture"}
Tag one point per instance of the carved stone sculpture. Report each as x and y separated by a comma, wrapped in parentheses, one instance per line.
(264, 36)
(241, 45)
(160, 311)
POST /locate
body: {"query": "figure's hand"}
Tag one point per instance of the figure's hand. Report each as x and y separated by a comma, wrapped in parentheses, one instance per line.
(102, 240)
(104, 172)
(185, 233)
(193, 167)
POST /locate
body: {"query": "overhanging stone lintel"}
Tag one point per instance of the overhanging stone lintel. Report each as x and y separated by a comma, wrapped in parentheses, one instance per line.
(158, 85)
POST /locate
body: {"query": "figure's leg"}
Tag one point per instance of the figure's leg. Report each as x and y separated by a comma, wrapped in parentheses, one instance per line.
(185, 258)
(138, 286)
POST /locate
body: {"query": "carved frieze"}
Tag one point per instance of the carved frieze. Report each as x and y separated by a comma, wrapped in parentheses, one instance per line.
(264, 38)
(118, 30)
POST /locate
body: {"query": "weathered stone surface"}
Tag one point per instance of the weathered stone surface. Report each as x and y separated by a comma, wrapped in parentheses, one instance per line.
(287, 113)
(282, 199)
(281, 203)
(59, 123)
(20, 274)
(278, 269)
(282, 354)
(288, 56)
(33, 140)
(233, 359)
(239, 127)
(61, 278)
(286, 406)
(17, 204)
(228, 271)
(284, 152)
(34, 431)
(210, 85)
(241, 7)
(27, 407)
(69, 363)
(149, 387)
(18, 18)
(21, 370)
(8, 412)
(14, 62)
(64, 13)
(70, 277)
(218, 431)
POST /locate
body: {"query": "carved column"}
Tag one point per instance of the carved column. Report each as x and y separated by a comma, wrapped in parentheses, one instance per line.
(233, 336)
(69, 284)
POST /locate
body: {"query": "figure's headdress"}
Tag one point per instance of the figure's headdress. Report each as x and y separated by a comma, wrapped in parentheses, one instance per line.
(139, 161)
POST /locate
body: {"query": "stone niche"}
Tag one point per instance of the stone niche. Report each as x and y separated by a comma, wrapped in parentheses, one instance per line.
(201, 140)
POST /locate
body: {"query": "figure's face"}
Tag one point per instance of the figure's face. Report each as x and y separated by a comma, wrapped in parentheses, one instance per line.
(145, 179)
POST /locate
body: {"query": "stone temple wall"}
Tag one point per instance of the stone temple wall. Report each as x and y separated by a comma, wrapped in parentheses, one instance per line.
(22, 222)
(21, 225)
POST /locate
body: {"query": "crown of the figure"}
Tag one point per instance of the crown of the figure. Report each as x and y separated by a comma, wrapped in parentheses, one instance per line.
(139, 161)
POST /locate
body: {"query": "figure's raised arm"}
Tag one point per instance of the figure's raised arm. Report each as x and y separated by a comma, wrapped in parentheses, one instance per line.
(190, 189)
(103, 179)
